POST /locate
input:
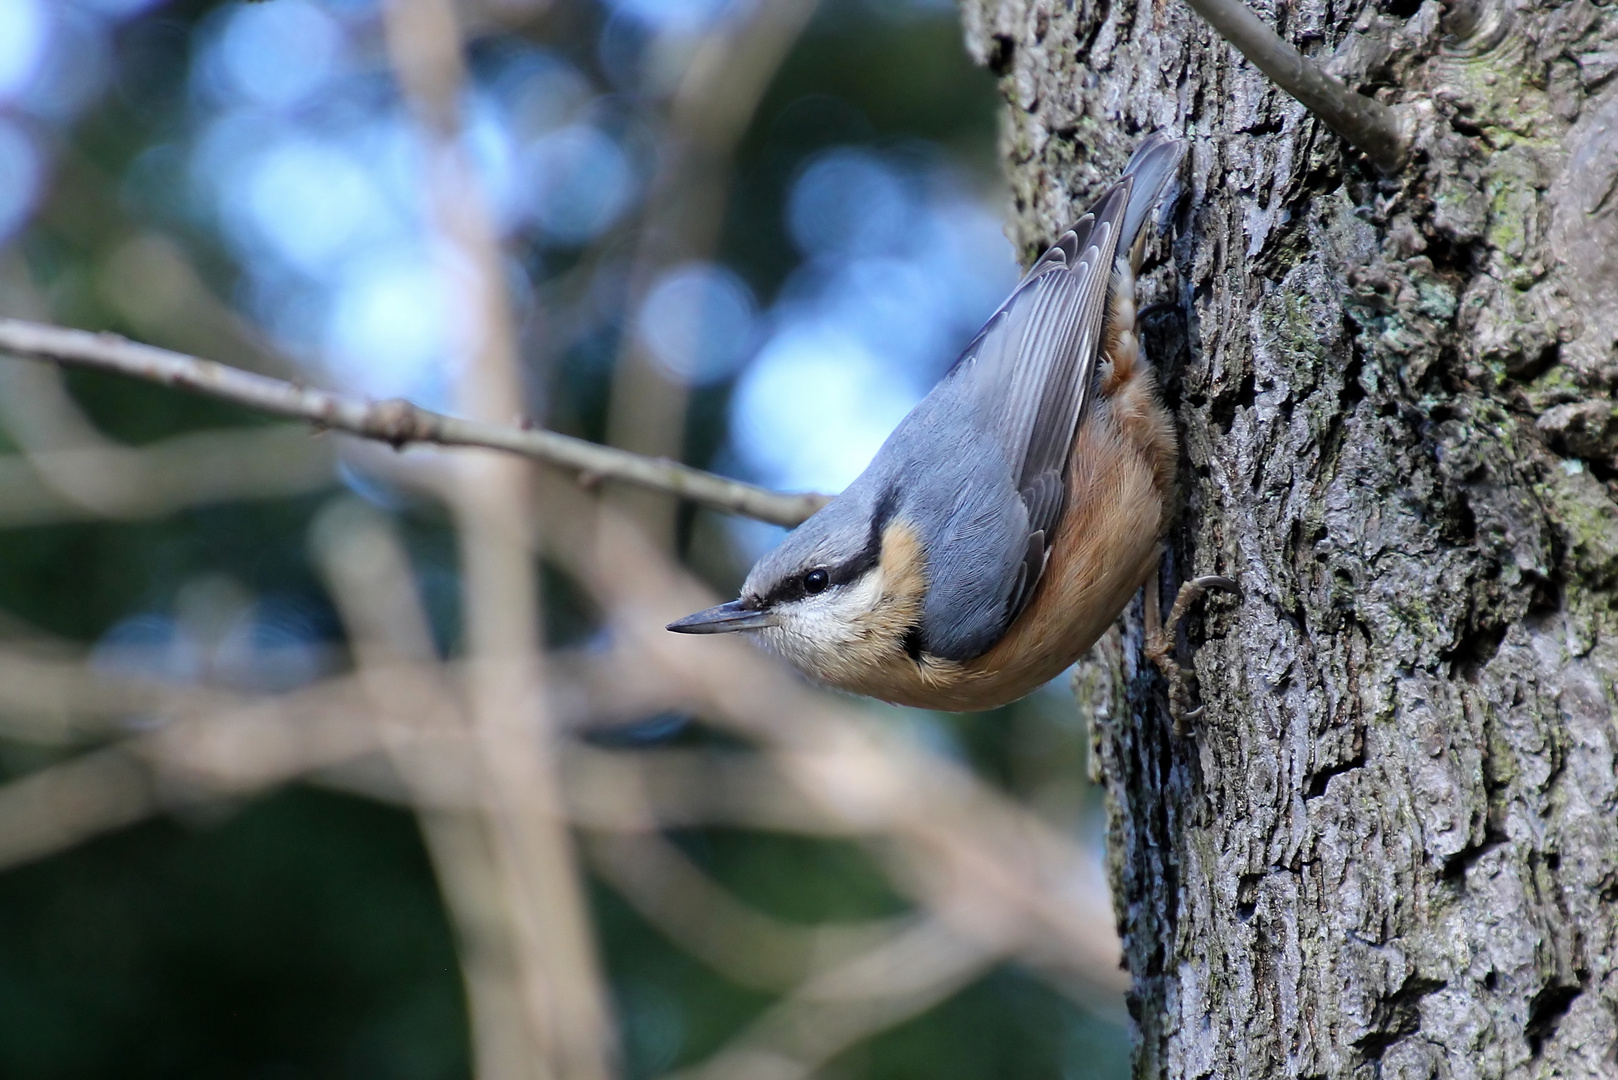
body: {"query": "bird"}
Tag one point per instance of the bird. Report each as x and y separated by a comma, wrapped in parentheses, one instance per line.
(1013, 514)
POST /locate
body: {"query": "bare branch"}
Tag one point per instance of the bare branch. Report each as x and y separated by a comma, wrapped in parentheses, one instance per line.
(396, 422)
(57, 700)
(745, 945)
(678, 789)
(1368, 124)
(237, 750)
(213, 747)
(134, 483)
(905, 975)
(59, 807)
(69, 470)
(422, 726)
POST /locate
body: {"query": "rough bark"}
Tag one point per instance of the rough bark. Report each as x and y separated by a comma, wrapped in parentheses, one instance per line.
(1390, 847)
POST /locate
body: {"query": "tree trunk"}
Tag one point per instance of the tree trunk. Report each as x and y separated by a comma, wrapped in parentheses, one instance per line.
(1390, 845)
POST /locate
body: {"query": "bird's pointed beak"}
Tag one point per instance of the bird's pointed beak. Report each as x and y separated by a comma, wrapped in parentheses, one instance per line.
(724, 619)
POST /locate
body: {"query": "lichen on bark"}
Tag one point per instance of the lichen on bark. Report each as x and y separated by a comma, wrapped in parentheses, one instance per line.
(1390, 847)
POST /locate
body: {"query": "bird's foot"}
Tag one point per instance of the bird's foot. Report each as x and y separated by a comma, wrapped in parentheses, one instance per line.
(1160, 647)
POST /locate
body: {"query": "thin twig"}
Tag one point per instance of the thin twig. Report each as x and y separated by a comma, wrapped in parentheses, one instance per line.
(740, 942)
(906, 975)
(1368, 124)
(59, 807)
(422, 727)
(396, 422)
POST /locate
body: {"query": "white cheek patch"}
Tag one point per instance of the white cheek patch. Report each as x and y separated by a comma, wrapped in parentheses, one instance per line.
(811, 632)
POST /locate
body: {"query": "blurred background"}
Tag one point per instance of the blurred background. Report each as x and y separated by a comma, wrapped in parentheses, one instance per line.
(239, 837)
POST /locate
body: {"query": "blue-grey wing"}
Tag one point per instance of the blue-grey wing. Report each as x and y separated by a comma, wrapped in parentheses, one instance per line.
(1024, 383)
(1030, 372)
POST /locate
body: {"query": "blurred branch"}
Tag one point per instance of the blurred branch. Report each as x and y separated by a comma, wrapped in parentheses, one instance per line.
(152, 481)
(734, 65)
(855, 979)
(231, 751)
(60, 701)
(987, 867)
(671, 892)
(78, 465)
(395, 422)
(152, 283)
(64, 805)
(340, 724)
(422, 726)
(902, 977)
(563, 997)
(631, 792)
(743, 944)
(149, 279)
(261, 743)
(70, 471)
(955, 845)
(993, 881)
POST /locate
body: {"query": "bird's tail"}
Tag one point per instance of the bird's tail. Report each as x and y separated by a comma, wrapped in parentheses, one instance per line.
(1153, 165)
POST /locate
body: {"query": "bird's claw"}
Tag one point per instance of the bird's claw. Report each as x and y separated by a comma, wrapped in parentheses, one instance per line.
(1160, 648)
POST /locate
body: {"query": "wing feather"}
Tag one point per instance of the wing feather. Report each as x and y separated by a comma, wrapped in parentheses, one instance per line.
(1017, 396)
(1033, 365)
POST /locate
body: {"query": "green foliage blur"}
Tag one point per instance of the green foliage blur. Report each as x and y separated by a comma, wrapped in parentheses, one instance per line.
(300, 935)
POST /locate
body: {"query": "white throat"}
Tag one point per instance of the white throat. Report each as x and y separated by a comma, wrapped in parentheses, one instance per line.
(821, 635)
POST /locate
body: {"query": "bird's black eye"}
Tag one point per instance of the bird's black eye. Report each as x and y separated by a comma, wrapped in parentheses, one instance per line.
(815, 581)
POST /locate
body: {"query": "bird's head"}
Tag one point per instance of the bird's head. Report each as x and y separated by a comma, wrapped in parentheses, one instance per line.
(841, 593)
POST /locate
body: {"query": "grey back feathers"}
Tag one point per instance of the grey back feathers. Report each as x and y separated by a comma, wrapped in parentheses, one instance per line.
(978, 469)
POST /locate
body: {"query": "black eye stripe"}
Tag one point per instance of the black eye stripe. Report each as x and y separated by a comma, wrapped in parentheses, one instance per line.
(815, 581)
(793, 587)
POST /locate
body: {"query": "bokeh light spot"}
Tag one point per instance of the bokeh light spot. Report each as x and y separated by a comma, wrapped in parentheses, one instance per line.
(698, 322)
(678, 16)
(389, 332)
(539, 92)
(848, 202)
(20, 170)
(277, 54)
(119, 9)
(72, 68)
(581, 182)
(814, 407)
(310, 201)
(23, 36)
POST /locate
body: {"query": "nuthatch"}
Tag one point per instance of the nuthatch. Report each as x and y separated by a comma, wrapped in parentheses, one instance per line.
(1010, 517)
